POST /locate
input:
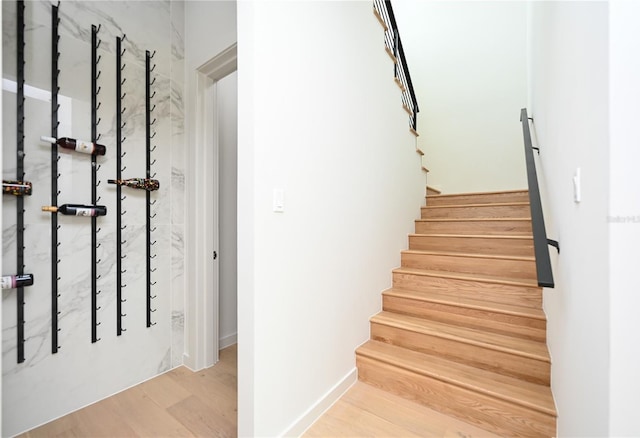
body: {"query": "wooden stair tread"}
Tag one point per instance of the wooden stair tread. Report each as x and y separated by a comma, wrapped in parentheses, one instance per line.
(469, 277)
(493, 341)
(491, 204)
(474, 236)
(510, 389)
(472, 219)
(469, 255)
(448, 299)
(498, 192)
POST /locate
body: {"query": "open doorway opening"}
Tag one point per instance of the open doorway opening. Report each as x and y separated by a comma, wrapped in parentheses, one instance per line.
(211, 321)
(227, 123)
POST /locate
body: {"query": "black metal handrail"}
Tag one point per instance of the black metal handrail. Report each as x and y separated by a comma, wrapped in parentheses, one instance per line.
(401, 73)
(540, 240)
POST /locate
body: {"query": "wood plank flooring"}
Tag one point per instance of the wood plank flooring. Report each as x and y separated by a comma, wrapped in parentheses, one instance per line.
(179, 403)
(366, 411)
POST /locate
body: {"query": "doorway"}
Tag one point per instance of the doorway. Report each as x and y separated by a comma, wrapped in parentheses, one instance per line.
(211, 320)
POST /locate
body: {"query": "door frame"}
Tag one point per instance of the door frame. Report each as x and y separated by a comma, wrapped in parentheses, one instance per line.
(202, 232)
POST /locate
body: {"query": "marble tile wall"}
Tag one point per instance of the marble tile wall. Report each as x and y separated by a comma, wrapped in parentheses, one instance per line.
(49, 385)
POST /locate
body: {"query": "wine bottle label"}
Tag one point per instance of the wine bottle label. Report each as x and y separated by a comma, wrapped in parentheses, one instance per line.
(85, 147)
(8, 282)
(85, 212)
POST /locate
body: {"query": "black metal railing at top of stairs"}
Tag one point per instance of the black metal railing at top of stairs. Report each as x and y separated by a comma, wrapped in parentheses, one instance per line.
(393, 43)
(540, 240)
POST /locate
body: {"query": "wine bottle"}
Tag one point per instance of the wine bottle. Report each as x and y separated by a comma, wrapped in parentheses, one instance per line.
(14, 281)
(77, 209)
(137, 183)
(85, 147)
(17, 188)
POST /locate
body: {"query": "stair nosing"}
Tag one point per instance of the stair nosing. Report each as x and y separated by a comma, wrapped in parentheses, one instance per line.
(492, 204)
(450, 379)
(472, 219)
(465, 340)
(474, 236)
(402, 293)
(499, 192)
(470, 255)
(482, 278)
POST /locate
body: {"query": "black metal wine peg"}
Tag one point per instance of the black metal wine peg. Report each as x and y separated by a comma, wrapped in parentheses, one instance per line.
(152, 55)
(154, 269)
(153, 215)
(99, 73)
(99, 27)
(153, 283)
(153, 81)
(99, 181)
(97, 108)
(153, 203)
(153, 310)
(152, 68)
(154, 148)
(153, 256)
(154, 119)
(98, 308)
(99, 135)
(98, 261)
(123, 65)
(98, 45)
(153, 297)
(99, 120)
(154, 242)
(154, 134)
(124, 256)
(152, 96)
(153, 162)
(98, 90)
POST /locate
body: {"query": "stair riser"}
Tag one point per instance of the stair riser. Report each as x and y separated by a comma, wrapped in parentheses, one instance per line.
(477, 245)
(526, 368)
(489, 211)
(506, 268)
(517, 228)
(512, 325)
(489, 413)
(497, 293)
(487, 198)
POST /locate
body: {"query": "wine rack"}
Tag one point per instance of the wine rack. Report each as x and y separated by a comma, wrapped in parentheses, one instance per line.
(119, 155)
(149, 136)
(95, 90)
(20, 101)
(55, 72)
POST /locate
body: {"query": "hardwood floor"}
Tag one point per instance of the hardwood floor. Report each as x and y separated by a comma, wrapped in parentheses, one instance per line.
(366, 411)
(179, 403)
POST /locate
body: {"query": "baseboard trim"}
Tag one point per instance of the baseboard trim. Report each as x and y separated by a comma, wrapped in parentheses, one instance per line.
(228, 341)
(322, 405)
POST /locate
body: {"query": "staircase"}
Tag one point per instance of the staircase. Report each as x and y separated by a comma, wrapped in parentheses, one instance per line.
(462, 330)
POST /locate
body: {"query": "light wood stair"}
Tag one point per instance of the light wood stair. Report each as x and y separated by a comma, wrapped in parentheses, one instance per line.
(462, 329)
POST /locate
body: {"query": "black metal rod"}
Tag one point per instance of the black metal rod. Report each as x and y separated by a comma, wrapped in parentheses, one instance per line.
(54, 179)
(148, 167)
(118, 187)
(94, 177)
(401, 60)
(20, 176)
(540, 242)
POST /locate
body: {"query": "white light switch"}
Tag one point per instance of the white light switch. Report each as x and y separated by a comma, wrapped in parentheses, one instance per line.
(576, 186)
(278, 200)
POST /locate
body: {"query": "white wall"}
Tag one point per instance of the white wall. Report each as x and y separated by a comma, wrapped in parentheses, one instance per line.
(320, 117)
(569, 102)
(469, 67)
(624, 217)
(227, 94)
